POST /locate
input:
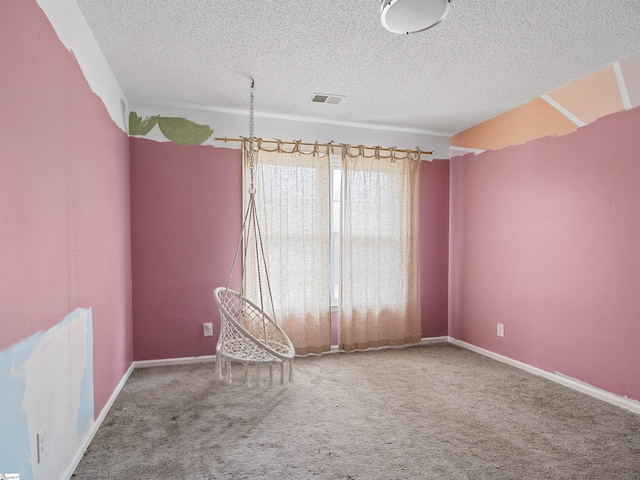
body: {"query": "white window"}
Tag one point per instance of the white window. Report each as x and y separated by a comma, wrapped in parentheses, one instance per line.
(336, 214)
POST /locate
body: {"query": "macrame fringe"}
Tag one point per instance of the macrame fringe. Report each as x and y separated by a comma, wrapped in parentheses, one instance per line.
(229, 376)
(218, 369)
(258, 376)
(247, 380)
(224, 363)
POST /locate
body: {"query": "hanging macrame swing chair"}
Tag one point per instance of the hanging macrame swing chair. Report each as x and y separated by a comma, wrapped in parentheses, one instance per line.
(247, 333)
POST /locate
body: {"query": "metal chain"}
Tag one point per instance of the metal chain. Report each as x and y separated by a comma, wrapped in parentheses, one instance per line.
(251, 223)
(252, 190)
(256, 224)
(252, 194)
(247, 218)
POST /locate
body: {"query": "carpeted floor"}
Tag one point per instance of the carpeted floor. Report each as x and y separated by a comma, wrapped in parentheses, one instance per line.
(435, 412)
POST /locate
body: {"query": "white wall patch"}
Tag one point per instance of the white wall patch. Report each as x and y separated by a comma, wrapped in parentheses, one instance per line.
(46, 382)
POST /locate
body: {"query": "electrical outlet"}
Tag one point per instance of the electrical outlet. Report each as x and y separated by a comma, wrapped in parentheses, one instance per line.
(208, 329)
(500, 330)
(42, 440)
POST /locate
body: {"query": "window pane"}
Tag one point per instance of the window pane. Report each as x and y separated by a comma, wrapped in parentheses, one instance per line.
(335, 217)
(337, 181)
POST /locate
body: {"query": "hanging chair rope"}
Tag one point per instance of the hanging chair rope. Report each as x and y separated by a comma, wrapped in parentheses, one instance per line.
(240, 318)
(251, 219)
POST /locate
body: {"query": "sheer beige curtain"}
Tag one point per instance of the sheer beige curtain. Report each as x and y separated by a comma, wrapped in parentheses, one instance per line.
(380, 291)
(293, 198)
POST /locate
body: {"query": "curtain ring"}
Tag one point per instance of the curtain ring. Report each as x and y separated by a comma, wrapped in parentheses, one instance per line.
(346, 149)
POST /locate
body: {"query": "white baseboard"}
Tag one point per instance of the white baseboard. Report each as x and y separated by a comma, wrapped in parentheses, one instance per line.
(95, 426)
(173, 361)
(575, 384)
(431, 340)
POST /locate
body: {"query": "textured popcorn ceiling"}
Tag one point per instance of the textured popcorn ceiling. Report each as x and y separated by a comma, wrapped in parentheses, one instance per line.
(487, 57)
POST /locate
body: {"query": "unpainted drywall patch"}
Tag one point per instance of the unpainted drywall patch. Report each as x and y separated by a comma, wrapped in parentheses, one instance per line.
(14, 442)
(46, 380)
(85, 405)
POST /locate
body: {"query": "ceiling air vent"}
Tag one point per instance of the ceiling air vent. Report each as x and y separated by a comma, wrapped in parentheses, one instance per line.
(326, 98)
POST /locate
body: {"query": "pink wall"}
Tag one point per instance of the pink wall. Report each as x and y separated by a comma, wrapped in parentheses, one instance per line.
(434, 248)
(186, 208)
(64, 198)
(545, 238)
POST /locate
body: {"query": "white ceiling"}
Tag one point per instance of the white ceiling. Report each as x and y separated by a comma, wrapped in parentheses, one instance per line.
(487, 57)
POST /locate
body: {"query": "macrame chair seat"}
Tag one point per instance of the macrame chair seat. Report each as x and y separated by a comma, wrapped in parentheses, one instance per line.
(249, 336)
(247, 333)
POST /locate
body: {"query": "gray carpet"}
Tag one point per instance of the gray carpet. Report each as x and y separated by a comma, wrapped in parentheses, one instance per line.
(436, 412)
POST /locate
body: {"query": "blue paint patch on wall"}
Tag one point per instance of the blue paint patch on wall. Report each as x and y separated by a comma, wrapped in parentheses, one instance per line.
(15, 452)
(85, 412)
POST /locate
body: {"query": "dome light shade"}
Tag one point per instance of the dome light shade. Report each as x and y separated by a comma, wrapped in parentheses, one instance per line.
(411, 16)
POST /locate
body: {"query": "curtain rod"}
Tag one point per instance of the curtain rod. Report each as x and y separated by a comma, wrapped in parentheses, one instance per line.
(400, 150)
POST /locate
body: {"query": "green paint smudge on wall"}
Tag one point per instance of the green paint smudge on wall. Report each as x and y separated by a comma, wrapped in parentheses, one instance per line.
(178, 130)
(138, 126)
(183, 131)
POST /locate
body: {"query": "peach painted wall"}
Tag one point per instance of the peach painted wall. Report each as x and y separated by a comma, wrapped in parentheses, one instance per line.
(545, 238)
(527, 122)
(559, 112)
(434, 247)
(591, 97)
(64, 198)
(186, 209)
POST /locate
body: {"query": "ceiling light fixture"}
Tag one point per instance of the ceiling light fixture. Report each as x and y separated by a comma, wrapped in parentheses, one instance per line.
(411, 16)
